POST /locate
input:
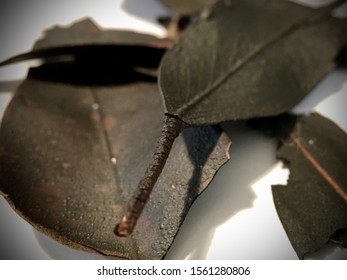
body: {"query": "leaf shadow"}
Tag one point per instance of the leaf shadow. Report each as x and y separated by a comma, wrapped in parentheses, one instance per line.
(87, 74)
(228, 194)
(199, 154)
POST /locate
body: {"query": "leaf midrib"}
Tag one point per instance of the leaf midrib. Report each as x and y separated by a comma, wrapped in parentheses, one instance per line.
(108, 146)
(319, 18)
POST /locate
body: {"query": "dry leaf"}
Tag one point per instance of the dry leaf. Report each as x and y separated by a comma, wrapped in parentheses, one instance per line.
(247, 59)
(75, 141)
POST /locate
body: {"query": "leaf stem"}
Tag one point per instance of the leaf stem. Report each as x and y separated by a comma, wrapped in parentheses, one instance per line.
(172, 127)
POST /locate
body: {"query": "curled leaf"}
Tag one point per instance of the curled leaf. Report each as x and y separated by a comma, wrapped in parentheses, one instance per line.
(84, 41)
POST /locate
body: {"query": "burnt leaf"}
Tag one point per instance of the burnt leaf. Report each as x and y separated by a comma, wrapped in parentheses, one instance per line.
(84, 41)
(246, 59)
(74, 143)
(189, 7)
(313, 205)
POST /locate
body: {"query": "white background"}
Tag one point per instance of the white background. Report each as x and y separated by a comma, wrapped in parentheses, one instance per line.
(235, 217)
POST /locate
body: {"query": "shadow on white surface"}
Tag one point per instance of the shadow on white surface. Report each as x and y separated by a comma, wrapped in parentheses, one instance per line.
(230, 193)
(17, 240)
(332, 84)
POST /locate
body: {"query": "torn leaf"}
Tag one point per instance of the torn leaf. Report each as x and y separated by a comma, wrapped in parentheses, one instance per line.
(74, 143)
(313, 205)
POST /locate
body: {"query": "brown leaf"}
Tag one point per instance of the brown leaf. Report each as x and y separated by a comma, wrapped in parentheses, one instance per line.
(74, 149)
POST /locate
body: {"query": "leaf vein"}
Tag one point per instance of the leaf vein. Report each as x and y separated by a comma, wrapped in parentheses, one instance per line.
(321, 17)
(323, 172)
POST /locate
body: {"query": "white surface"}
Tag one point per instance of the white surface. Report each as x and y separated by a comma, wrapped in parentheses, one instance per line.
(235, 217)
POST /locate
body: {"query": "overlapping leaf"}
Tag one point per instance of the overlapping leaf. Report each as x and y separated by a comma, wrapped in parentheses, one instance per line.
(80, 135)
(246, 59)
(74, 143)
